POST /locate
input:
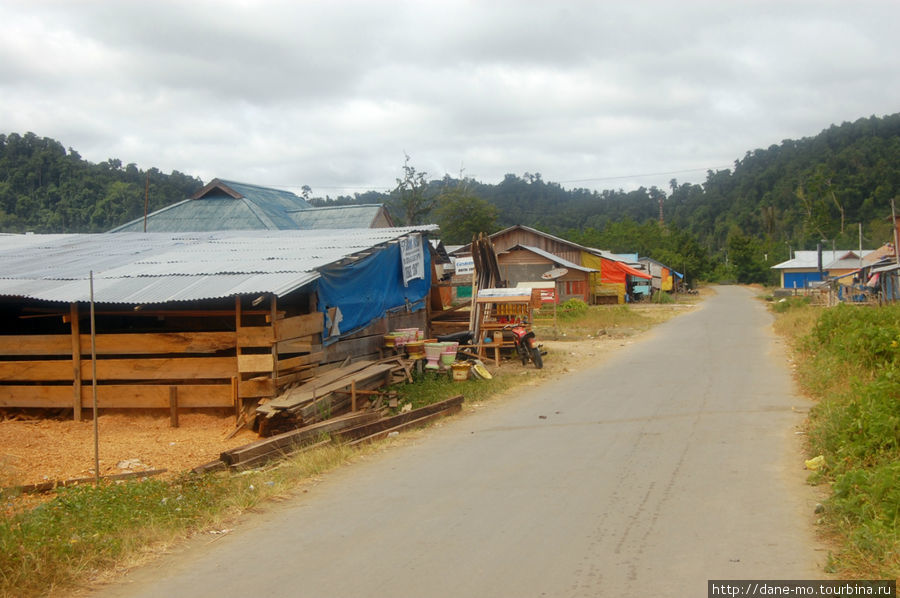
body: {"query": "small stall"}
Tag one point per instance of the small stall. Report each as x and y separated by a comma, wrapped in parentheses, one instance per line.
(499, 309)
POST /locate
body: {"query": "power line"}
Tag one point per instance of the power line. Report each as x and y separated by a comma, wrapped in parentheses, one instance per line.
(587, 180)
(631, 176)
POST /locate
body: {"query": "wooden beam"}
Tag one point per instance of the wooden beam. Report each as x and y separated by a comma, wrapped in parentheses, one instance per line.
(76, 361)
(255, 388)
(126, 396)
(175, 368)
(297, 326)
(255, 363)
(173, 406)
(285, 365)
(306, 344)
(116, 344)
(274, 368)
(291, 440)
(255, 336)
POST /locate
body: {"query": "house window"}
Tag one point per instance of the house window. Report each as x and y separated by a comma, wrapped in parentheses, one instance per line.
(576, 287)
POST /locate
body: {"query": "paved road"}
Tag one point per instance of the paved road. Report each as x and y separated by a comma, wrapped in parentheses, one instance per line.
(670, 464)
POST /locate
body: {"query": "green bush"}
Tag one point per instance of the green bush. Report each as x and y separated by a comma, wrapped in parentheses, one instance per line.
(663, 298)
(868, 502)
(854, 367)
(572, 309)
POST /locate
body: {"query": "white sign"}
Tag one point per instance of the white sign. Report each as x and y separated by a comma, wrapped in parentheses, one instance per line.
(465, 265)
(412, 257)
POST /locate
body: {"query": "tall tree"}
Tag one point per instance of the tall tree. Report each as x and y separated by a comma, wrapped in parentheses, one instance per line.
(411, 196)
(461, 215)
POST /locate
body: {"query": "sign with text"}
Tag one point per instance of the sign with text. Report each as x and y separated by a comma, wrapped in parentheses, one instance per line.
(413, 258)
(465, 265)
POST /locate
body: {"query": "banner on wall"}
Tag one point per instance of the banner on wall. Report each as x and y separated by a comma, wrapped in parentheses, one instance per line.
(412, 256)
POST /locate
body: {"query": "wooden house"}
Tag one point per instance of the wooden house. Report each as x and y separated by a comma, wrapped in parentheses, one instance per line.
(198, 319)
(595, 276)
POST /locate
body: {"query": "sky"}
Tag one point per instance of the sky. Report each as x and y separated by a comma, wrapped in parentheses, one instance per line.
(335, 94)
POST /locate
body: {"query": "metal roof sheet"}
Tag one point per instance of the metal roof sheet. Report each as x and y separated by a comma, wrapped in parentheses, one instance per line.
(809, 259)
(556, 259)
(158, 267)
(354, 216)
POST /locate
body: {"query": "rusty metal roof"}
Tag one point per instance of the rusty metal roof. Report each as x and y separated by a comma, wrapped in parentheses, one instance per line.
(137, 268)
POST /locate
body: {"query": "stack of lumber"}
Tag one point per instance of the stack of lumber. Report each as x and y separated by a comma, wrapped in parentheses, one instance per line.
(333, 392)
(353, 429)
(486, 276)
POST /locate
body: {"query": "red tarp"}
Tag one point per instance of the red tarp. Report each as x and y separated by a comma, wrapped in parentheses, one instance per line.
(613, 271)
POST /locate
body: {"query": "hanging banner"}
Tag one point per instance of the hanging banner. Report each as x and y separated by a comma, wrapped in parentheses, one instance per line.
(413, 258)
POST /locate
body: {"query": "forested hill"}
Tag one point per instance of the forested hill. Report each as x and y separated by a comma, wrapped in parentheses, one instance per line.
(790, 195)
(793, 194)
(47, 189)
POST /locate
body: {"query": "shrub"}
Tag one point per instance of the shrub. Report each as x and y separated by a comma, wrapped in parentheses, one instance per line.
(573, 308)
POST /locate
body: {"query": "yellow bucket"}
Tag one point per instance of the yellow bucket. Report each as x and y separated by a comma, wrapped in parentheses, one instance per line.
(460, 371)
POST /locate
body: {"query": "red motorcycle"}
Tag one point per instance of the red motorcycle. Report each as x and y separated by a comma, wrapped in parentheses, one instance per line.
(526, 345)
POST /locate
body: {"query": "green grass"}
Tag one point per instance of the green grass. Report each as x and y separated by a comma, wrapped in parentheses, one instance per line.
(85, 530)
(590, 320)
(849, 361)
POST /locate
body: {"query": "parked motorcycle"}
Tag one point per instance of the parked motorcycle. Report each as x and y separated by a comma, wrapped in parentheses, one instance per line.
(526, 344)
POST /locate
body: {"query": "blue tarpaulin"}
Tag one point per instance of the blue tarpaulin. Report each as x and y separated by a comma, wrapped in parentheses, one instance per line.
(365, 290)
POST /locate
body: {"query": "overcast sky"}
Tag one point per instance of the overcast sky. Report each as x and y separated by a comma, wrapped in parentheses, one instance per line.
(601, 95)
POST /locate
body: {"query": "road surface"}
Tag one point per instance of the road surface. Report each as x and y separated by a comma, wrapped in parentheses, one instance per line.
(672, 463)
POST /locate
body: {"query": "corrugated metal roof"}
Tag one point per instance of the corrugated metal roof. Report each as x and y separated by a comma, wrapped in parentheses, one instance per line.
(225, 205)
(809, 259)
(355, 216)
(158, 267)
(557, 260)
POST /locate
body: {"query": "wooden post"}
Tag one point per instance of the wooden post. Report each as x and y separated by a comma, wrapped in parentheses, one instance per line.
(274, 345)
(236, 398)
(76, 361)
(353, 396)
(173, 406)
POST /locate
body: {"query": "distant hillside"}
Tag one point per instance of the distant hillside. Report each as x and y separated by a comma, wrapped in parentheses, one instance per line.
(788, 196)
(46, 189)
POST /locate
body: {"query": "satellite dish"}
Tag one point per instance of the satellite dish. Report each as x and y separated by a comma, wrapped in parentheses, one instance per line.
(554, 273)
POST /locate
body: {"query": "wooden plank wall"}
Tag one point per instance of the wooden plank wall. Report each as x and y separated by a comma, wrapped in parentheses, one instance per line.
(274, 355)
(133, 370)
(140, 370)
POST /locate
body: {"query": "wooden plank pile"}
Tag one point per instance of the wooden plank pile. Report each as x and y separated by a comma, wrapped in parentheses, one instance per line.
(336, 391)
(352, 428)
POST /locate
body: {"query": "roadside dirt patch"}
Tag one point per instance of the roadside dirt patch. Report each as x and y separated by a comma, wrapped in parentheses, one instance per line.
(41, 450)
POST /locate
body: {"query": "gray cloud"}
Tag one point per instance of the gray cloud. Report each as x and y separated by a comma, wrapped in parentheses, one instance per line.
(331, 94)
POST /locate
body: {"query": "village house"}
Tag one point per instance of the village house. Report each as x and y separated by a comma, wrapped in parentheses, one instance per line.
(592, 275)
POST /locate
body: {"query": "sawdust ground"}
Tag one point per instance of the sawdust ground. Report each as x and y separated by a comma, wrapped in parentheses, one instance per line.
(41, 450)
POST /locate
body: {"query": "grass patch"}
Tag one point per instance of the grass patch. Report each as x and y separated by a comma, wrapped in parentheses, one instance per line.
(85, 531)
(848, 358)
(593, 320)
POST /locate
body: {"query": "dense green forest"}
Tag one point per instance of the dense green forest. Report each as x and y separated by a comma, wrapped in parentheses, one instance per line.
(45, 188)
(736, 224)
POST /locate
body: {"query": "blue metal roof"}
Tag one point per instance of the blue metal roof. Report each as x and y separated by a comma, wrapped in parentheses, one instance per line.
(228, 205)
(224, 205)
(353, 216)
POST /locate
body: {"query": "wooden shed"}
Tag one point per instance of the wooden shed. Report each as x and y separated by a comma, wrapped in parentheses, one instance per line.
(196, 320)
